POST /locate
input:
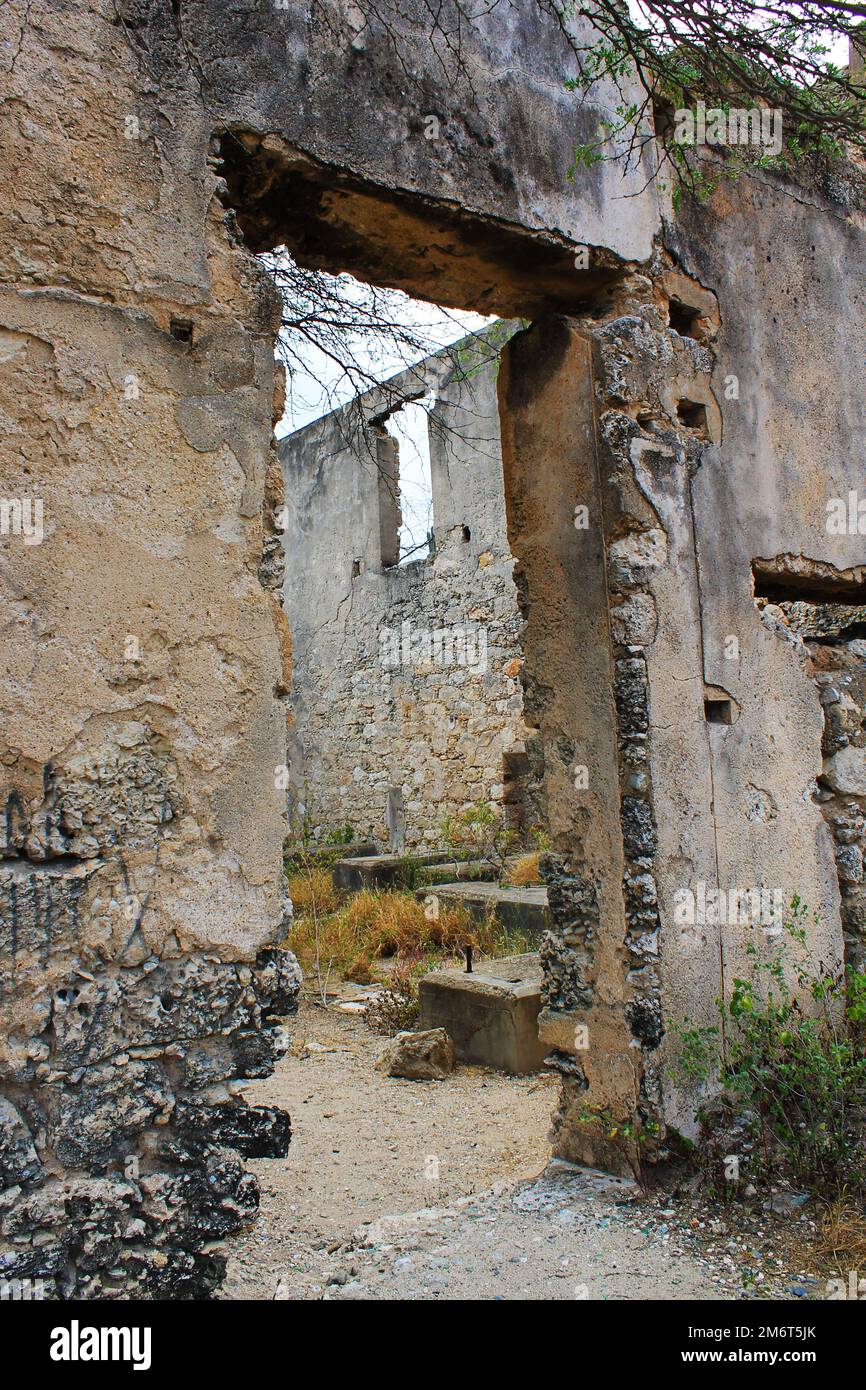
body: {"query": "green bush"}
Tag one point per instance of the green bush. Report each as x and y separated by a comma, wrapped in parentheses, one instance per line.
(790, 1059)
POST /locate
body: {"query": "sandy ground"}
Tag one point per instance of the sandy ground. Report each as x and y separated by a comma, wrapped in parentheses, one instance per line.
(399, 1189)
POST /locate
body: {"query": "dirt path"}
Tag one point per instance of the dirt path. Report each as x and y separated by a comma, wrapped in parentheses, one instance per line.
(441, 1190)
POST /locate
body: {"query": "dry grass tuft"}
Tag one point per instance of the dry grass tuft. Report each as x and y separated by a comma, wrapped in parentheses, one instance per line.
(841, 1239)
(397, 924)
(360, 971)
(371, 925)
(524, 872)
(312, 890)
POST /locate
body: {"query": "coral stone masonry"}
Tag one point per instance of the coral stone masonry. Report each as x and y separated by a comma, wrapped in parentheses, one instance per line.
(657, 438)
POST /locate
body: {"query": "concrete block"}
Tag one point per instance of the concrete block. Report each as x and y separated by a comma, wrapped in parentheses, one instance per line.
(379, 870)
(491, 1014)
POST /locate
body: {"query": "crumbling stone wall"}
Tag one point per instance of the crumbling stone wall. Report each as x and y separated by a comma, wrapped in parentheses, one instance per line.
(827, 639)
(146, 656)
(406, 676)
(146, 662)
(150, 147)
(605, 393)
(841, 679)
(715, 779)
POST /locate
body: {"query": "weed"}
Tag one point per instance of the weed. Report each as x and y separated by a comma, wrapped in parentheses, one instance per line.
(524, 871)
(791, 1063)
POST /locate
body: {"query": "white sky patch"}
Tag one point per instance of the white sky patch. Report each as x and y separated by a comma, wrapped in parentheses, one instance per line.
(837, 45)
(318, 384)
(409, 427)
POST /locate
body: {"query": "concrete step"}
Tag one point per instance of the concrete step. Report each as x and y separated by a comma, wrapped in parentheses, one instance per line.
(520, 909)
(380, 870)
(327, 854)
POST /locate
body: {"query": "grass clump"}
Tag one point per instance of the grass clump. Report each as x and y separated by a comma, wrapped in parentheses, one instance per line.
(312, 892)
(352, 938)
(373, 925)
(841, 1240)
(524, 872)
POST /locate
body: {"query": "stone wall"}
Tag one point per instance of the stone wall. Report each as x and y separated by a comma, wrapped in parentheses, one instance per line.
(148, 148)
(146, 662)
(827, 641)
(683, 745)
(146, 655)
(609, 551)
(405, 689)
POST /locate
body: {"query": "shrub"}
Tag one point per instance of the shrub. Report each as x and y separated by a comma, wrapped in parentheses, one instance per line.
(396, 1009)
(479, 832)
(795, 1077)
(339, 834)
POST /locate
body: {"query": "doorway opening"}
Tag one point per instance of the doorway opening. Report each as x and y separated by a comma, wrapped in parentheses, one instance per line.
(407, 698)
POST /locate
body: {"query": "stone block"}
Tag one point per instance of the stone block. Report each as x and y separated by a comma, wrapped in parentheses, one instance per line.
(378, 870)
(422, 1056)
(491, 1014)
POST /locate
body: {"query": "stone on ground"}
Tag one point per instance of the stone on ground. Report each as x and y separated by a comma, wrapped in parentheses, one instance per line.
(427, 1056)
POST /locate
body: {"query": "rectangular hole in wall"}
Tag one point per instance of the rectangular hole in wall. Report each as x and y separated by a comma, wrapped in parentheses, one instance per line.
(181, 330)
(718, 710)
(682, 318)
(515, 767)
(790, 579)
(409, 429)
(693, 414)
(812, 598)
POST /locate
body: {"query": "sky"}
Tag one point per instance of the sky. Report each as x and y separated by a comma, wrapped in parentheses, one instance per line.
(317, 389)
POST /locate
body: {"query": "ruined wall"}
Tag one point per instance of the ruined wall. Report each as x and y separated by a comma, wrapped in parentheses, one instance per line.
(406, 676)
(609, 550)
(146, 656)
(826, 640)
(649, 447)
(145, 651)
(785, 260)
(145, 664)
(839, 670)
(551, 469)
(720, 781)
